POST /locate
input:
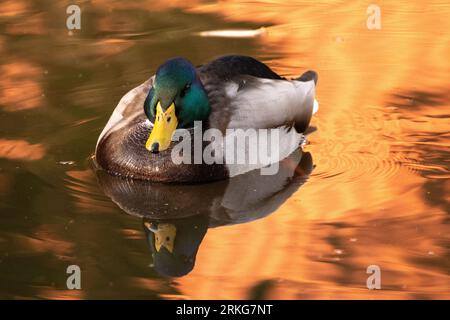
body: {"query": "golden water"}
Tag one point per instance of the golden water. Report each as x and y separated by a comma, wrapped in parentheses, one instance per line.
(378, 194)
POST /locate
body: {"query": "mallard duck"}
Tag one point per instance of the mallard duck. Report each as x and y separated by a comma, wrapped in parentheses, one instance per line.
(231, 92)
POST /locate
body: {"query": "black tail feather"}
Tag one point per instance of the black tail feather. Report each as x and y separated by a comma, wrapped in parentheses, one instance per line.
(308, 76)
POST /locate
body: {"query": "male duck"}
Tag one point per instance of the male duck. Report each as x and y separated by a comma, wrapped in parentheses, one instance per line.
(232, 92)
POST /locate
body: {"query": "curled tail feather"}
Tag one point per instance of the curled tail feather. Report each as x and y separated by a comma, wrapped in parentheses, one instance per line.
(308, 76)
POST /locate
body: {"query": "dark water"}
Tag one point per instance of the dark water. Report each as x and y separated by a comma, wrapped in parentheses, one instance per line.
(371, 188)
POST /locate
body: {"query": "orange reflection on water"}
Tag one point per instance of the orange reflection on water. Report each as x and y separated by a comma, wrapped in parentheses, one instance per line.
(34, 25)
(367, 201)
(13, 8)
(20, 150)
(21, 86)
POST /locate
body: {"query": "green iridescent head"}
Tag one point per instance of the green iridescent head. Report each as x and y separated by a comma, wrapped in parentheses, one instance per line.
(176, 100)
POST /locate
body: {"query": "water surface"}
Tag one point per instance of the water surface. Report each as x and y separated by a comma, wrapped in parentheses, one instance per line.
(373, 188)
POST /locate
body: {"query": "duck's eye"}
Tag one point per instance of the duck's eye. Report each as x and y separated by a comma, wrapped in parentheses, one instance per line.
(185, 89)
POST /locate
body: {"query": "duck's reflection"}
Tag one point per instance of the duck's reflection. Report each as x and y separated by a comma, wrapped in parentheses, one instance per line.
(177, 217)
(174, 244)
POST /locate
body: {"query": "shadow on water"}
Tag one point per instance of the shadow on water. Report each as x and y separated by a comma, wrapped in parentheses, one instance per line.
(177, 217)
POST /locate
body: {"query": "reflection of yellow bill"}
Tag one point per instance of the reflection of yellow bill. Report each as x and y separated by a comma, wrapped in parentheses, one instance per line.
(165, 235)
(163, 129)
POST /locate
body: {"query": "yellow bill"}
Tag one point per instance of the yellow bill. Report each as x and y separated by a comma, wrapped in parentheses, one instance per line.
(163, 129)
(165, 236)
